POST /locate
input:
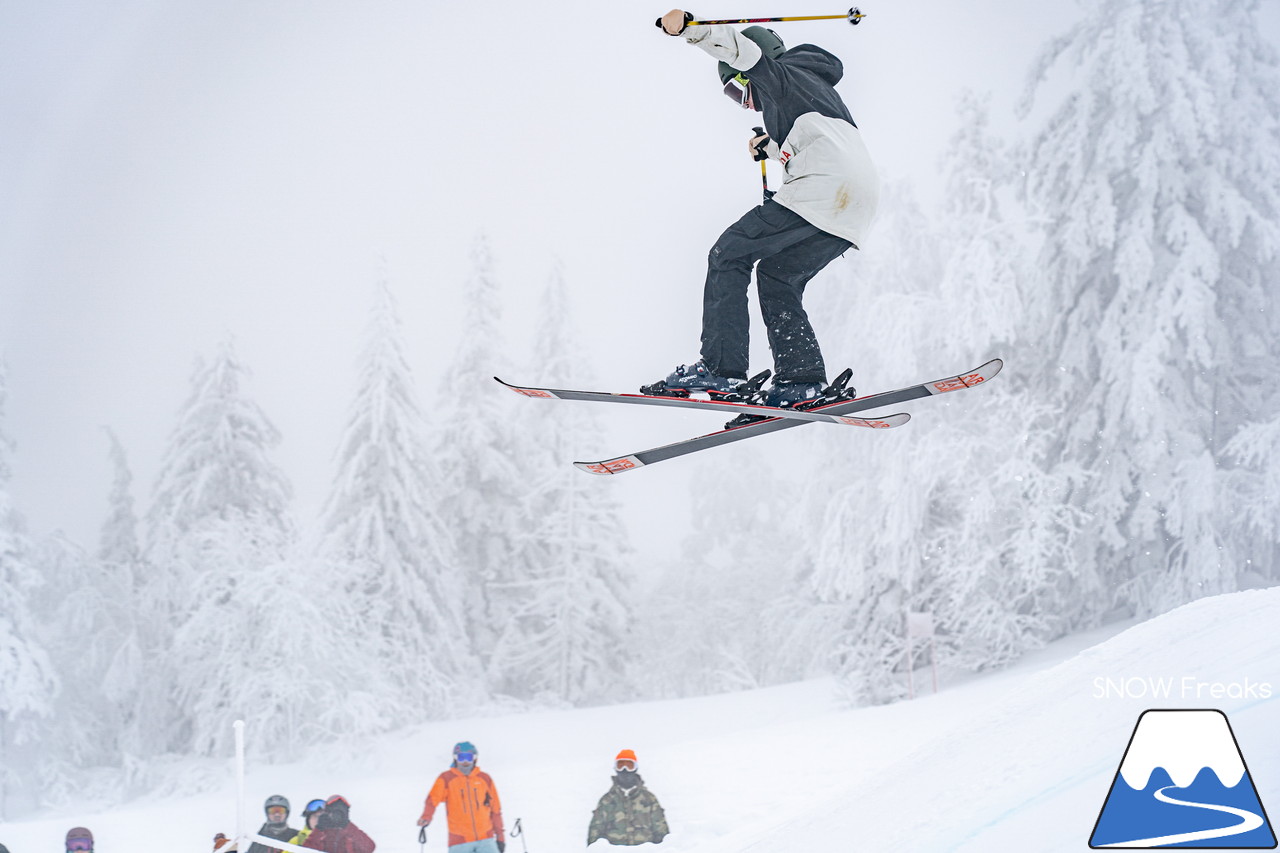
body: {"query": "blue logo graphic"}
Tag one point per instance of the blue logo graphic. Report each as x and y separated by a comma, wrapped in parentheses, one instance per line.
(1183, 783)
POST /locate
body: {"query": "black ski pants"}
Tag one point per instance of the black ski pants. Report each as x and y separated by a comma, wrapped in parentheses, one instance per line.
(787, 252)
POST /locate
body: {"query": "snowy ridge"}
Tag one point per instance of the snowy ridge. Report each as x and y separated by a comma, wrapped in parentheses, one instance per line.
(1183, 743)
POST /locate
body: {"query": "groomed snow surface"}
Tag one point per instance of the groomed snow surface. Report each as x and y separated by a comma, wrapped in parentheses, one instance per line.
(1014, 761)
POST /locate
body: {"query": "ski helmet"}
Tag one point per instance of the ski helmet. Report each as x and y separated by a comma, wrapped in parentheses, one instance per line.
(3, 849)
(770, 43)
(276, 800)
(465, 747)
(78, 837)
(312, 807)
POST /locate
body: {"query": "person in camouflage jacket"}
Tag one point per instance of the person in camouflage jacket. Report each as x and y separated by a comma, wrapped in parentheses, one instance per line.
(628, 814)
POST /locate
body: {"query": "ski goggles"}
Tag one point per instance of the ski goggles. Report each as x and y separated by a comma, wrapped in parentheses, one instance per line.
(80, 844)
(738, 90)
(624, 764)
(315, 806)
(465, 757)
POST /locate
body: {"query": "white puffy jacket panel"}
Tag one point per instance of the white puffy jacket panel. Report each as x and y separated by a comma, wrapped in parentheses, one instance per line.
(831, 180)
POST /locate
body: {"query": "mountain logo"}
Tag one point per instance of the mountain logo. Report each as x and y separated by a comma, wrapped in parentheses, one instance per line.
(1183, 783)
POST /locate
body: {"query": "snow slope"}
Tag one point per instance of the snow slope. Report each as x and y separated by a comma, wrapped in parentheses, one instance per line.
(1016, 761)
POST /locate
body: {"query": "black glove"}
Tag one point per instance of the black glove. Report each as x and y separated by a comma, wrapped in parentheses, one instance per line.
(757, 144)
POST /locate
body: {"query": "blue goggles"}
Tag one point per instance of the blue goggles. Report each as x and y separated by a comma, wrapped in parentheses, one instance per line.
(464, 756)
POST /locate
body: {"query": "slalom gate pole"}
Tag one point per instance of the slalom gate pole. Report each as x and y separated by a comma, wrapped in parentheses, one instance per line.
(853, 16)
(238, 725)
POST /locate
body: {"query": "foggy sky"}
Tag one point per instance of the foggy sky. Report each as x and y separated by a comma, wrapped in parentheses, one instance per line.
(172, 173)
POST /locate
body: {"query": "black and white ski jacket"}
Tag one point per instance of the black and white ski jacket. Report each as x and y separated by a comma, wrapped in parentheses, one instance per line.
(831, 181)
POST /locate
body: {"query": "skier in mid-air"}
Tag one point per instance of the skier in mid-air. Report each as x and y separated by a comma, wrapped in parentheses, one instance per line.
(822, 209)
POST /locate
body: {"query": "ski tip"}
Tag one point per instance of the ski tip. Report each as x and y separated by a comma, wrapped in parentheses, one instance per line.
(537, 393)
(886, 422)
(610, 466)
(977, 376)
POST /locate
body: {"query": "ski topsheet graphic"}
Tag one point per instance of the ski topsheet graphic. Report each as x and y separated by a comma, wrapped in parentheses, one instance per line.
(1183, 783)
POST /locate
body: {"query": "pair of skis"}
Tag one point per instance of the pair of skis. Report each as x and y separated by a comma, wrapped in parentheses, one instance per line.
(775, 419)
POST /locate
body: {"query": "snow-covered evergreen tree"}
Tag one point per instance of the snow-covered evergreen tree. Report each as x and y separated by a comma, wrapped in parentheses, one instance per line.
(216, 466)
(476, 440)
(962, 523)
(284, 648)
(87, 613)
(119, 584)
(1157, 179)
(735, 560)
(118, 541)
(27, 676)
(997, 570)
(219, 501)
(565, 637)
(382, 521)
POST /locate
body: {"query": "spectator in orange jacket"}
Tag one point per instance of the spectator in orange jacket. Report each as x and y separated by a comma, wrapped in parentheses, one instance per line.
(471, 801)
(335, 833)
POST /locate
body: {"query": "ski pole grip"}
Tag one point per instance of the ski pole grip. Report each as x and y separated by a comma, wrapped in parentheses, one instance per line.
(760, 155)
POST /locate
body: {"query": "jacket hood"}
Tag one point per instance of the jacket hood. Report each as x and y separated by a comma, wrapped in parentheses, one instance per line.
(810, 57)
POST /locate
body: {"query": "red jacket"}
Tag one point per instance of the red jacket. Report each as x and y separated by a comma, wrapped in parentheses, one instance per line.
(349, 839)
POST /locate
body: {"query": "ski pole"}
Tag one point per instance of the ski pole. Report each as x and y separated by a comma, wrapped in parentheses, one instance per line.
(764, 172)
(422, 838)
(853, 16)
(518, 832)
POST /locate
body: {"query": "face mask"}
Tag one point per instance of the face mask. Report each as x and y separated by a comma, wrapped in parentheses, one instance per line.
(628, 778)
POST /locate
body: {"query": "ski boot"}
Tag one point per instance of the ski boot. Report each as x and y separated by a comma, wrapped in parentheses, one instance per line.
(687, 378)
(798, 395)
